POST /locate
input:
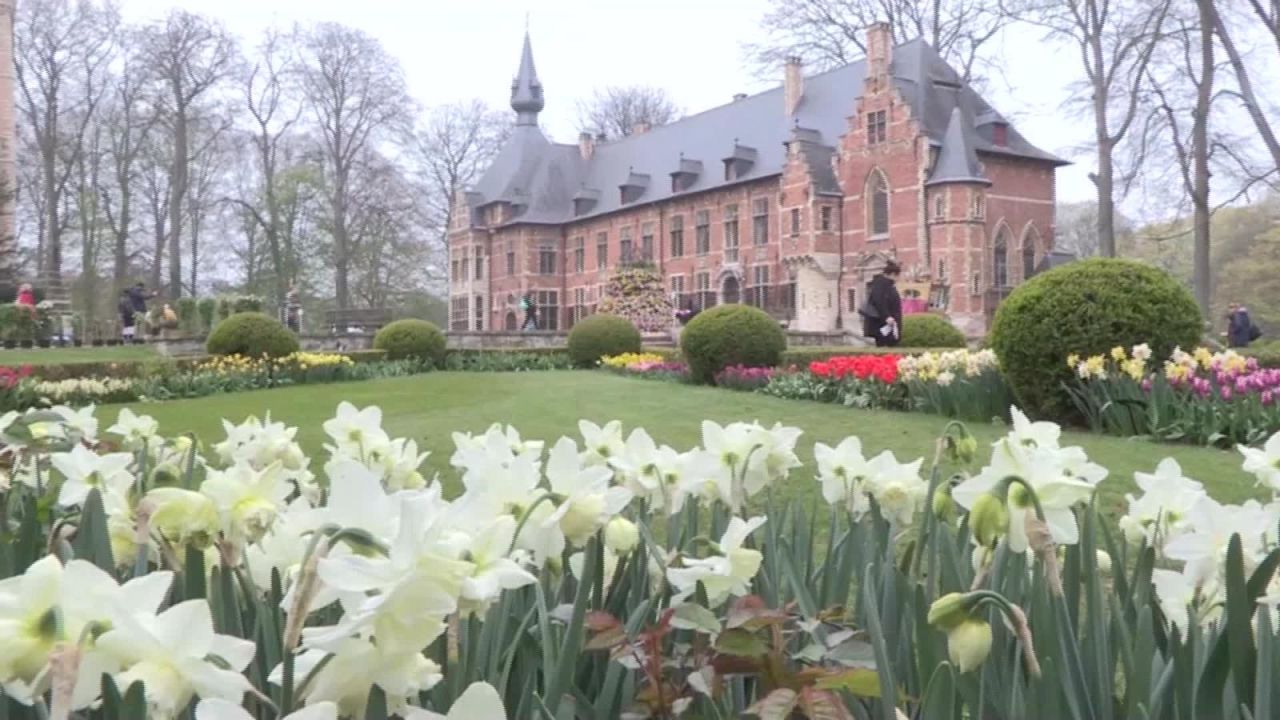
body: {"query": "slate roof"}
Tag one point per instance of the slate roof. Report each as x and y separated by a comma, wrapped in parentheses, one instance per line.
(957, 161)
(543, 178)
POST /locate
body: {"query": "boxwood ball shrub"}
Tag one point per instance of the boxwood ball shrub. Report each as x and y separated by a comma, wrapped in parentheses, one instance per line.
(1086, 307)
(930, 331)
(252, 334)
(731, 335)
(411, 339)
(600, 335)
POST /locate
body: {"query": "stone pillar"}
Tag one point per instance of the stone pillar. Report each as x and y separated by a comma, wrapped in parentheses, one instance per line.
(8, 146)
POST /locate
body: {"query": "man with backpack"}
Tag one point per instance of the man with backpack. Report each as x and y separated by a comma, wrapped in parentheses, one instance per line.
(1241, 329)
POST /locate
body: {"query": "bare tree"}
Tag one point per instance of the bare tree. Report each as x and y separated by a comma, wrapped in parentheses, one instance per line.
(453, 148)
(8, 149)
(130, 120)
(273, 114)
(830, 33)
(210, 158)
(188, 55)
(1182, 88)
(356, 93)
(618, 111)
(1116, 41)
(1264, 18)
(62, 51)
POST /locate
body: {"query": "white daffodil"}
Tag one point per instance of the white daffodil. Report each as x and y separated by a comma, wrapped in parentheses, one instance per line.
(353, 430)
(404, 597)
(354, 666)
(897, 487)
(84, 470)
(1179, 593)
(736, 449)
(400, 462)
(177, 655)
(637, 464)
(260, 444)
(357, 500)
(282, 549)
(80, 421)
(1033, 434)
(779, 456)
(184, 516)
(135, 431)
(31, 624)
(1204, 548)
(600, 444)
(728, 573)
(215, 709)
(1164, 510)
(479, 700)
(843, 472)
(1264, 462)
(586, 502)
(493, 571)
(1060, 477)
(248, 500)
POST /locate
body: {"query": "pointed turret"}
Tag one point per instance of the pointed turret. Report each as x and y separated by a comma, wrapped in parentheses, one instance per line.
(957, 161)
(526, 91)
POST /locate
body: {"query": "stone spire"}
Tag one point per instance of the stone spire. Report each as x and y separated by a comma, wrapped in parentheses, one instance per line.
(8, 146)
(957, 161)
(526, 91)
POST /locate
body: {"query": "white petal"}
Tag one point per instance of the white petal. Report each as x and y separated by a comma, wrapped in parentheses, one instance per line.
(479, 700)
(186, 629)
(218, 709)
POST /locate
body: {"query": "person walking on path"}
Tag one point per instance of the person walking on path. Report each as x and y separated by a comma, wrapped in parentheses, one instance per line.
(882, 310)
(128, 324)
(292, 311)
(1240, 328)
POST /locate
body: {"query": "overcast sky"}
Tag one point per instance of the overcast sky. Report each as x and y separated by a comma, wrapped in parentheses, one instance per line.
(462, 49)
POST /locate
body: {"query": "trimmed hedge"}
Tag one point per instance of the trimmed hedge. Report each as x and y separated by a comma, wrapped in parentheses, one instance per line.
(411, 338)
(252, 334)
(930, 331)
(731, 335)
(1086, 307)
(601, 335)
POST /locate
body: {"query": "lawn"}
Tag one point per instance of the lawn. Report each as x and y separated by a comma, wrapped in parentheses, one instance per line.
(60, 356)
(546, 405)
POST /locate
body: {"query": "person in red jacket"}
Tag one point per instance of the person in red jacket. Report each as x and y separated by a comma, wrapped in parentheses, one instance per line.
(26, 296)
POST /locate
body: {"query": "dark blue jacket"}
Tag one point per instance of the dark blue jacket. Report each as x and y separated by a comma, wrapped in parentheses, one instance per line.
(1239, 329)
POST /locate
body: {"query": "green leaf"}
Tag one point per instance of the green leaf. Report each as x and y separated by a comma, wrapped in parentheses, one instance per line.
(741, 643)
(884, 664)
(940, 695)
(692, 616)
(1239, 620)
(863, 682)
(377, 705)
(193, 580)
(92, 542)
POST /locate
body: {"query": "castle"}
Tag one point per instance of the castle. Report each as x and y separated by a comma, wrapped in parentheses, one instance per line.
(791, 200)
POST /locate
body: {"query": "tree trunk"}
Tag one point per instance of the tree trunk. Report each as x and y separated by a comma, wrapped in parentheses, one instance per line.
(177, 198)
(1200, 150)
(341, 246)
(1104, 182)
(48, 167)
(8, 146)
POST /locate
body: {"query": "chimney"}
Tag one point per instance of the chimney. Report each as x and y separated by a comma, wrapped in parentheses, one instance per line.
(879, 51)
(586, 145)
(739, 96)
(793, 84)
(640, 128)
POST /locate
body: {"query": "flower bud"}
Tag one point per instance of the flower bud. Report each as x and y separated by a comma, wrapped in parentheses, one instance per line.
(621, 536)
(1104, 562)
(988, 519)
(944, 508)
(969, 644)
(166, 475)
(966, 448)
(949, 611)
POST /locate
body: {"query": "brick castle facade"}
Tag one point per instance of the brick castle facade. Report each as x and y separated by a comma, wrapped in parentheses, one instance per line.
(790, 200)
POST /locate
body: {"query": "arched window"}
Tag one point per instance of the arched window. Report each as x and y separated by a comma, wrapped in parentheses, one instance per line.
(1029, 242)
(878, 204)
(1000, 260)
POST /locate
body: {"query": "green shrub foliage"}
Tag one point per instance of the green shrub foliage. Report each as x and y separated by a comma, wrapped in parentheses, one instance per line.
(731, 335)
(411, 339)
(251, 334)
(207, 307)
(1086, 307)
(930, 331)
(601, 335)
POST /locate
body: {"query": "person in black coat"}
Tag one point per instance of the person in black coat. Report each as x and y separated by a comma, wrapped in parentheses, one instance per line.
(1240, 328)
(882, 311)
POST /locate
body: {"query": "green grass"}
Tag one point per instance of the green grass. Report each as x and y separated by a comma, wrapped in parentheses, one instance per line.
(60, 356)
(546, 405)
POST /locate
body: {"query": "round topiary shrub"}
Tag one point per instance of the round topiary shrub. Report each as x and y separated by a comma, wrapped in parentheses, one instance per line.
(930, 331)
(731, 335)
(411, 339)
(1086, 308)
(602, 335)
(253, 335)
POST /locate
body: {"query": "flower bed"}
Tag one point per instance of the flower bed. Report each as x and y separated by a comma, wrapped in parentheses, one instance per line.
(742, 377)
(648, 365)
(145, 577)
(1202, 397)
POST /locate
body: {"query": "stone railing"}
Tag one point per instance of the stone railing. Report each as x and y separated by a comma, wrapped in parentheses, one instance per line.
(185, 346)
